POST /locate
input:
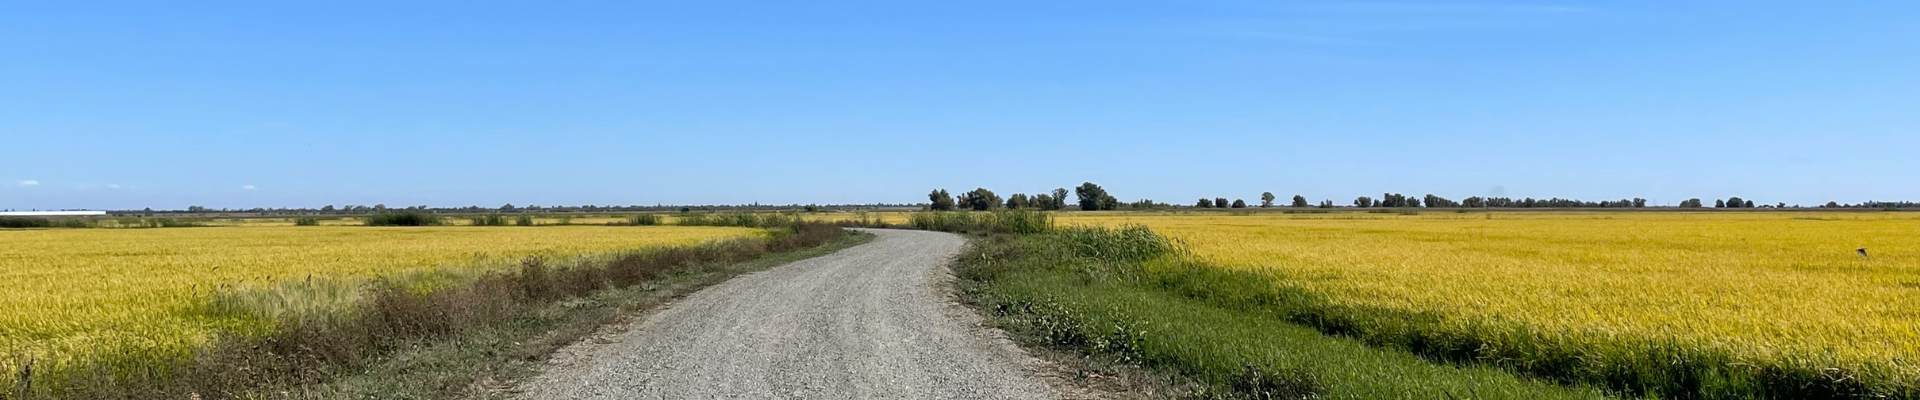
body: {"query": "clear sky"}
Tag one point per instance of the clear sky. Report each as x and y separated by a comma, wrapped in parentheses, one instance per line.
(306, 103)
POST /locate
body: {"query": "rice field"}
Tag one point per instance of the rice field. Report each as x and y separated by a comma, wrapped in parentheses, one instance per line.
(86, 292)
(1785, 289)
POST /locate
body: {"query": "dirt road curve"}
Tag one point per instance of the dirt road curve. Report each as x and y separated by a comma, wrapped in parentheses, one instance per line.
(870, 321)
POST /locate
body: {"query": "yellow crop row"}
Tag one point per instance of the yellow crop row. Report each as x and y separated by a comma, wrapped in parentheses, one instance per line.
(96, 291)
(1773, 286)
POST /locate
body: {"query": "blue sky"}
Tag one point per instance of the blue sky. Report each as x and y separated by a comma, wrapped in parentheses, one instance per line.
(245, 104)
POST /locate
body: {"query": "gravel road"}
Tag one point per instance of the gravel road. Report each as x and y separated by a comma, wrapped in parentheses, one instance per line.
(871, 321)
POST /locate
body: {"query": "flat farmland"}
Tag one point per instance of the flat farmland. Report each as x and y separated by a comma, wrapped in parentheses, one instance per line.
(1785, 294)
(90, 292)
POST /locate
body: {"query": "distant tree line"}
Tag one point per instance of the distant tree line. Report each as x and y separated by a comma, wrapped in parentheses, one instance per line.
(1091, 197)
(349, 209)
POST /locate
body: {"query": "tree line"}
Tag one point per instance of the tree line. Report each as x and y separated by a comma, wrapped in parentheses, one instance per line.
(1092, 197)
(1088, 197)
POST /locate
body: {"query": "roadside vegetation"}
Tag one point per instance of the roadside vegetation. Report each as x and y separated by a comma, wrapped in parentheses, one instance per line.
(1081, 290)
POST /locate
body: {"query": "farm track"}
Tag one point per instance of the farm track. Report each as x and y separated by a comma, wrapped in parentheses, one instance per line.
(872, 321)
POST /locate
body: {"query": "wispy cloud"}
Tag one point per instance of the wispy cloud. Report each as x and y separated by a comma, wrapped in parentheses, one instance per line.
(248, 187)
(1446, 9)
(28, 182)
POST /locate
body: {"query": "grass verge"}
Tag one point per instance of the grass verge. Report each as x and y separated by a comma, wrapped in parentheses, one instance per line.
(1080, 290)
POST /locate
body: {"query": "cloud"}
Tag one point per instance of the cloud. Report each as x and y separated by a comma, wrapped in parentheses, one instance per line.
(1448, 9)
(113, 186)
(247, 187)
(29, 182)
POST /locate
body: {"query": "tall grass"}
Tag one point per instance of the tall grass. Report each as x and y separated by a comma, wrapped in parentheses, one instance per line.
(1001, 221)
(488, 220)
(739, 219)
(313, 343)
(643, 219)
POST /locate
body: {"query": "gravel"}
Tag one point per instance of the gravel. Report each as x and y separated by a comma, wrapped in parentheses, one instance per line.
(871, 321)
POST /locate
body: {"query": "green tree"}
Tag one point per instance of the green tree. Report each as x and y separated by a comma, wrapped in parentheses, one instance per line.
(1042, 201)
(940, 201)
(1736, 202)
(1017, 201)
(980, 199)
(1717, 203)
(1363, 202)
(1299, 201)
(1060, 199)
(1094, 198)
(1220, 202)
(1266, 199)
(1238, 203)
(1204, 203)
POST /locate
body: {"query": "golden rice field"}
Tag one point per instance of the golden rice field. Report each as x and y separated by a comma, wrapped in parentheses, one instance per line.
(71, 292)
(1771, 286)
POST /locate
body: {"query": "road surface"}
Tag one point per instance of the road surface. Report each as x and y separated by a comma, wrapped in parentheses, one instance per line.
(871, 321)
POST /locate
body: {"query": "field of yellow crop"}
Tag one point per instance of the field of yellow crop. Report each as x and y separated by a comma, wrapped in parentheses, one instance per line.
(72, 292)
(1762, 286)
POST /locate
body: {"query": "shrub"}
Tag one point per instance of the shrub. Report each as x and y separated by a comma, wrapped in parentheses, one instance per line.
(16, 222)
(306, 221)
(402, 218)
(523, 220)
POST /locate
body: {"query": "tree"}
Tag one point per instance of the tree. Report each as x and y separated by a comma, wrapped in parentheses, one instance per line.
(1204, 203)
(1299, 201)
(1326, 204)
(1639, 203)
(1042, 201)
(1017, 201)
(1363, 202)
(940, 200)
(1094, 198)
(1690, 203)
(1736, 202)
(149, 211)
(328, 209)
(980, 199)
(1413, 202)
(1749, 204)
(1238, 203)
(196, 209)
(1719, 203)
(1831, 204)
(1220, 202)
(1059, 199)
(1266, 199)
